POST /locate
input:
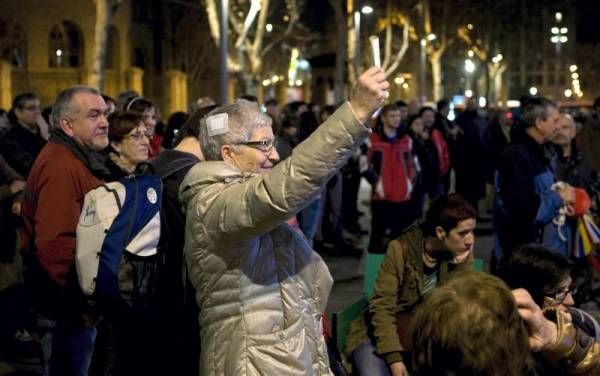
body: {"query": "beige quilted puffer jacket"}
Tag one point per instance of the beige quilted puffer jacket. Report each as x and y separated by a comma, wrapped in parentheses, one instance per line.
(260, 287)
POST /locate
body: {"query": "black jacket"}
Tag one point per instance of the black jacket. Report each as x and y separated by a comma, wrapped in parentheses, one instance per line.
(524, 202)
(20, 147)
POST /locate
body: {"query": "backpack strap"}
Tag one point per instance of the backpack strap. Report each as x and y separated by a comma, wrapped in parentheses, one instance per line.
(174, 167)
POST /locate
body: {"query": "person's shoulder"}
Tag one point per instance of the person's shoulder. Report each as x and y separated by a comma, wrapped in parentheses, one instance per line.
(515, 150)
(58, 160)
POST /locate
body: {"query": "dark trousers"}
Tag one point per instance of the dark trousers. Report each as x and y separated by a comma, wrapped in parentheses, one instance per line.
(388, 220)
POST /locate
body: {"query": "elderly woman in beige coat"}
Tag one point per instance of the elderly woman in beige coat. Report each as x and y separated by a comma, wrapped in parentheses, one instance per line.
(261, 289)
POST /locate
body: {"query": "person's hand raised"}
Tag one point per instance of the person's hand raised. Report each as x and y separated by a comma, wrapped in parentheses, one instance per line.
(369, 93)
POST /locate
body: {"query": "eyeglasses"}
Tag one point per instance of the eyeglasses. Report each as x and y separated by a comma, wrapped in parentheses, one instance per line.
(561, 295)
(266, 146)
(137, 136)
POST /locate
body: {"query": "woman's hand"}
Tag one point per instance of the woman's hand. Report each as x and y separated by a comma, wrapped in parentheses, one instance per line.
(369, 93)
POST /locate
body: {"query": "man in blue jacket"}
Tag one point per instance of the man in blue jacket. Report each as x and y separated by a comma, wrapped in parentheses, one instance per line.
(525, 204)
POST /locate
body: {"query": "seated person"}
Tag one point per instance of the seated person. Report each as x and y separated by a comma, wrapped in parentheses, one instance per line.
(416, 262)
(471, 326)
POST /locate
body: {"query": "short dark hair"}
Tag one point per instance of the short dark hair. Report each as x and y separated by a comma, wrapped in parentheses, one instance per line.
(191, 127)
(447, 211)
(537, 269)
(121, 123)
(389, 108)
(411, 119)
(470, 326)
(442, 103)
(108, 98)
(401, 103)
(139, 105)
(19, 101)
(536, 108)
(422, 110)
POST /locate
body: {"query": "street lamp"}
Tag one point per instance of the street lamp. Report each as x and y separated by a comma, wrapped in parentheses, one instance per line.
(469, 69)
(423, 61)
(558, 37)
(533, 90)
(367, 9)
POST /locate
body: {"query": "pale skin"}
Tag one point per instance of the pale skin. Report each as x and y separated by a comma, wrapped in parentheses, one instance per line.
(368, 94)
(132, 150)
(542, 332)
(87, 125)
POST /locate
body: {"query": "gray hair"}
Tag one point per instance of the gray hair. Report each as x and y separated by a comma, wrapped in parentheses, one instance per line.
(244, 117)
(63, 105)
(536, 109)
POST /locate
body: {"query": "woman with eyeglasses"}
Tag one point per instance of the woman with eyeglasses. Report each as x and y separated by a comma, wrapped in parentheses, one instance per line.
(129, 143)
(260, 287)
(546, 275)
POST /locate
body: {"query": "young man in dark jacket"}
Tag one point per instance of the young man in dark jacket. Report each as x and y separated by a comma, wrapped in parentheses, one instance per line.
(525, 203)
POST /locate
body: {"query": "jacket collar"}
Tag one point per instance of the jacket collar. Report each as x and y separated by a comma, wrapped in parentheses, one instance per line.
(94, 161)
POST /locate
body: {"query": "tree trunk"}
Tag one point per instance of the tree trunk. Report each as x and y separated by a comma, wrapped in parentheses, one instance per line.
(436, 75)
(103, 15)
(340, 58)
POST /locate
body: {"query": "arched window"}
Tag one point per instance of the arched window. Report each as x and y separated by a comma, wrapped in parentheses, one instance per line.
(13, 43)
(65, 45)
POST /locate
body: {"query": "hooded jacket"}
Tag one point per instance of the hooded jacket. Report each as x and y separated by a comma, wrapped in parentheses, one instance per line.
(261, 288)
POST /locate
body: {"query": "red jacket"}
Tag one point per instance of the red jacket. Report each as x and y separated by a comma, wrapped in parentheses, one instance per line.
(442, 149)
(56, 185)
(393, 162)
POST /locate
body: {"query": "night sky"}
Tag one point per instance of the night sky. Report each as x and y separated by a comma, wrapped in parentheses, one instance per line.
(588, 27)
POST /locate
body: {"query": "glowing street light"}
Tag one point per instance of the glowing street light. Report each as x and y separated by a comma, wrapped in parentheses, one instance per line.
(469, 66)
(367, 9)
(558, 37)
(468, 93)
(575, 75)
(573, 68)
(533, 90)
(431, 37)
(269, 27)
(568, 93)
(399, 80)
(558, 17)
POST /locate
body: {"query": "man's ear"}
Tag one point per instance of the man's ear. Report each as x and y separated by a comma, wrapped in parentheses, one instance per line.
(537, 123)
(440, 233)
(66, 127)
(227, 153)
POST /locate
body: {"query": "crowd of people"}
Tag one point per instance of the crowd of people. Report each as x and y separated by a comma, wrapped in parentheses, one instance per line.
(251, 190)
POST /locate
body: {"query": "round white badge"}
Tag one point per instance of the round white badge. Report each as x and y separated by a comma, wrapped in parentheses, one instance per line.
(152, 196)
